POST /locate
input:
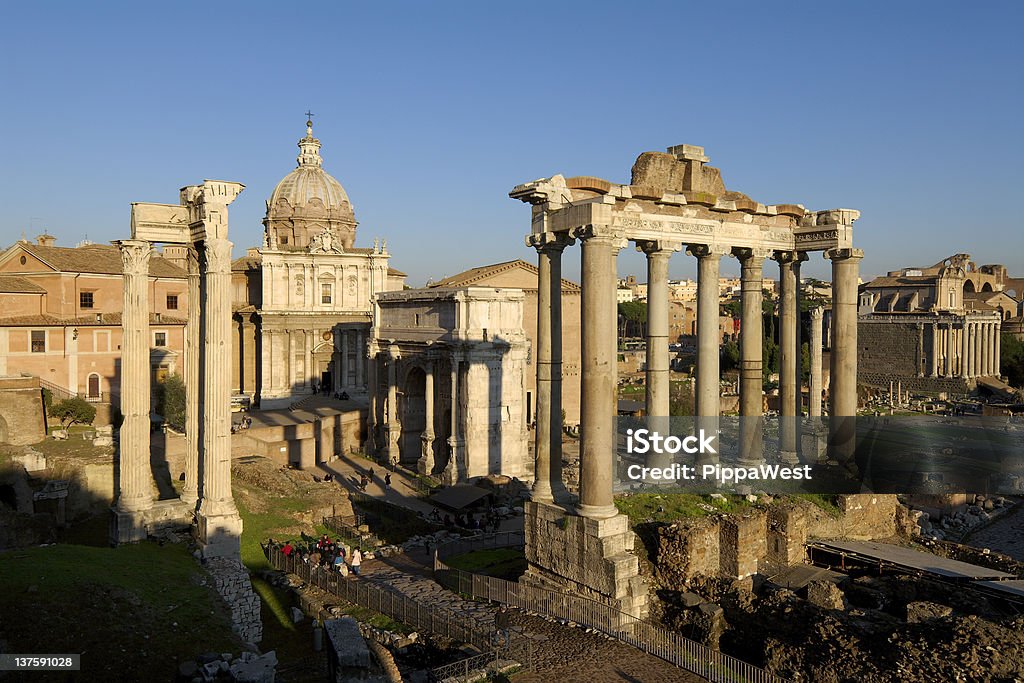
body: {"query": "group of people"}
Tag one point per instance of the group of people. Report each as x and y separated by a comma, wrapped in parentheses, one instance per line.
(489, 521)
(326, 554)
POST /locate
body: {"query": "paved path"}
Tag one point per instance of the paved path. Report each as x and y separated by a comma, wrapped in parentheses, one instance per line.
(1004, 535)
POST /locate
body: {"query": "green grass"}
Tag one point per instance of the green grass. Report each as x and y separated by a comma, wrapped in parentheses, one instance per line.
(825, 502)
(133, 612)
(668, 507)
(505, 563)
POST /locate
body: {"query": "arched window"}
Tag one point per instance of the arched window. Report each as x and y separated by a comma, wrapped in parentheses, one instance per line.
(952, 297)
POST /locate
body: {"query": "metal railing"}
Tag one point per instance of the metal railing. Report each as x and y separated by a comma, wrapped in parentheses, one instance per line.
(403, 609)
(642, 634)
(469, 544)
(347, 529)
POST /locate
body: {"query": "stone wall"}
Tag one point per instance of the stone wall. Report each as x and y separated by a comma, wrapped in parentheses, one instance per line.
(591, 557)
(890, 350)
(231, 581)
(760, 540)
(21, 411)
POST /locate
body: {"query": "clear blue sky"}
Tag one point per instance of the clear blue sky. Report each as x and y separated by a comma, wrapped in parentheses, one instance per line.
(430, 112)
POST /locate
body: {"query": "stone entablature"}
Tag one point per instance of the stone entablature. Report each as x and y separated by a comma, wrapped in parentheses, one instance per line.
(446, 381)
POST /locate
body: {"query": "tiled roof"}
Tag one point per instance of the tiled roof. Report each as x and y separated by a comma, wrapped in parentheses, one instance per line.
(246, 263)
(901, 281)
(95, 258)
(15, 284)
(396, 272)
(475, 275)
(105, 320)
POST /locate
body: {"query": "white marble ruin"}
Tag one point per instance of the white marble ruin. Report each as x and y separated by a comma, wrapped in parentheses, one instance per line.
(674, 199)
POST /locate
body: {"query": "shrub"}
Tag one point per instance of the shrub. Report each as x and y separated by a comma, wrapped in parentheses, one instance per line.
(73, 410)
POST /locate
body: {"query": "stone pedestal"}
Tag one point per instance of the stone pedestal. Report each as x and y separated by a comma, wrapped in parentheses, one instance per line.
(219, 534)
(588, 556)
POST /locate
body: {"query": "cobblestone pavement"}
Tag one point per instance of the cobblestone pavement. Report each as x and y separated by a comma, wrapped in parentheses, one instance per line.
(1004, 535)
(565, 654)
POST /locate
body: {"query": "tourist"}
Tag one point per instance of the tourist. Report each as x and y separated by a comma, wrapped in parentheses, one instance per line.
(363, 482)
(288, 549)
(501, 627)
(357, 560)
(370, 474)
(339, 562)
(387, 481)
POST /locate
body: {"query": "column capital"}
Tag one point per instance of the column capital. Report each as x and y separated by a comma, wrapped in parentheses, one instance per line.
(394, 353)
(787, 258)
(550, 242)
(596, 232)
(843, 254)
(817, 313)
(135, 256)
(707, 250)
(746, 253)
(218, 255)
(658, 247)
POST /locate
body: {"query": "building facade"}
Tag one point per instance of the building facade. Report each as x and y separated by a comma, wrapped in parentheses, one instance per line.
(303, 301)
(934, 329)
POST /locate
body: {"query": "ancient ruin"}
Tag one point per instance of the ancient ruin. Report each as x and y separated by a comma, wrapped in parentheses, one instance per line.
(673, 199)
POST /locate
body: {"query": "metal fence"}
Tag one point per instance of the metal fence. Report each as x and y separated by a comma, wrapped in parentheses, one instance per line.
(644, 635)
(468, 544)
(345, 529)
(403, 609)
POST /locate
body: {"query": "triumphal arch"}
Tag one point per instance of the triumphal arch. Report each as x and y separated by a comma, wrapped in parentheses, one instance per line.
(674, 201)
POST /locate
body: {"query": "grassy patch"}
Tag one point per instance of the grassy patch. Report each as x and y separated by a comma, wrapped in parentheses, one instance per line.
(505, 563)
(668, 507)
(825, 502)
(133, 612)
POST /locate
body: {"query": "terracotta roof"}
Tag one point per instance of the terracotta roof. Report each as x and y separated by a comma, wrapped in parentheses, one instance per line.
(106, 320)
(396, 272)
(95, 258)
(475, 275)
(246, 263)
(14, 284)
(901, 281)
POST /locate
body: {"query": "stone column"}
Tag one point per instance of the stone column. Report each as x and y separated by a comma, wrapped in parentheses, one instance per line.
(343, 370)
(657, 389)
(935, 349)
(453, 468)
(547, 473)
(426, 461)
(598, 390)
(843, 370)
(976, 356)
(392, 426)
(193, 387)
(966, 350)
(751, 353)
(708, 391)
(997, 348)
(814, 347)
(789, 354)
(992, 344)
(360, 359)
(135, 478)
(657, 379)
(373, 399)
(220, 527)
(310, 371)
(948, 343)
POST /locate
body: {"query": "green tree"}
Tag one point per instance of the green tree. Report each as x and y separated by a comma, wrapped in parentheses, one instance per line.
(73, 410)
(170, 400)
(1011, 359)
(730, 356)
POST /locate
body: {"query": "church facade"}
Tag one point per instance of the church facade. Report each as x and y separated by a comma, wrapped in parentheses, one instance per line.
(303, 301)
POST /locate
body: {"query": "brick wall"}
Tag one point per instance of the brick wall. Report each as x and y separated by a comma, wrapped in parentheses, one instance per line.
(21, 411)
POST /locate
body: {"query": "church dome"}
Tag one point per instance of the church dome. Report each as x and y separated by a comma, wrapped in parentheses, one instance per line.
(309, 201)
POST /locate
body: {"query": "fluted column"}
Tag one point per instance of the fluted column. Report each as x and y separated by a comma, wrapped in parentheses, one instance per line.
(392, 425)
(133, 467)
(598, 390)
(193, 387)
(453, 468)
(789, 354)
(547, 482)
(814, 348)
(997, 349)
(657, 379)
(935, 350)
(948, 343)
(843, 371)
(373, 400)
(968, 364)
(751, 352)
(426, 462)
(217, 500)
(708, 392)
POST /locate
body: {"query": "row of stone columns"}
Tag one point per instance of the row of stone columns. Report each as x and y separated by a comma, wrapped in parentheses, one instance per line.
(965, 349)
(207, 487)
(599, 354)
(346, 342)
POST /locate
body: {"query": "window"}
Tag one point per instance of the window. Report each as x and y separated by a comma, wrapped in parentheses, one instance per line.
(159, 339)
(172, 302)
(284, 239)
(325, 293)
(952, 298)
(85, 299)
(38, 341)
